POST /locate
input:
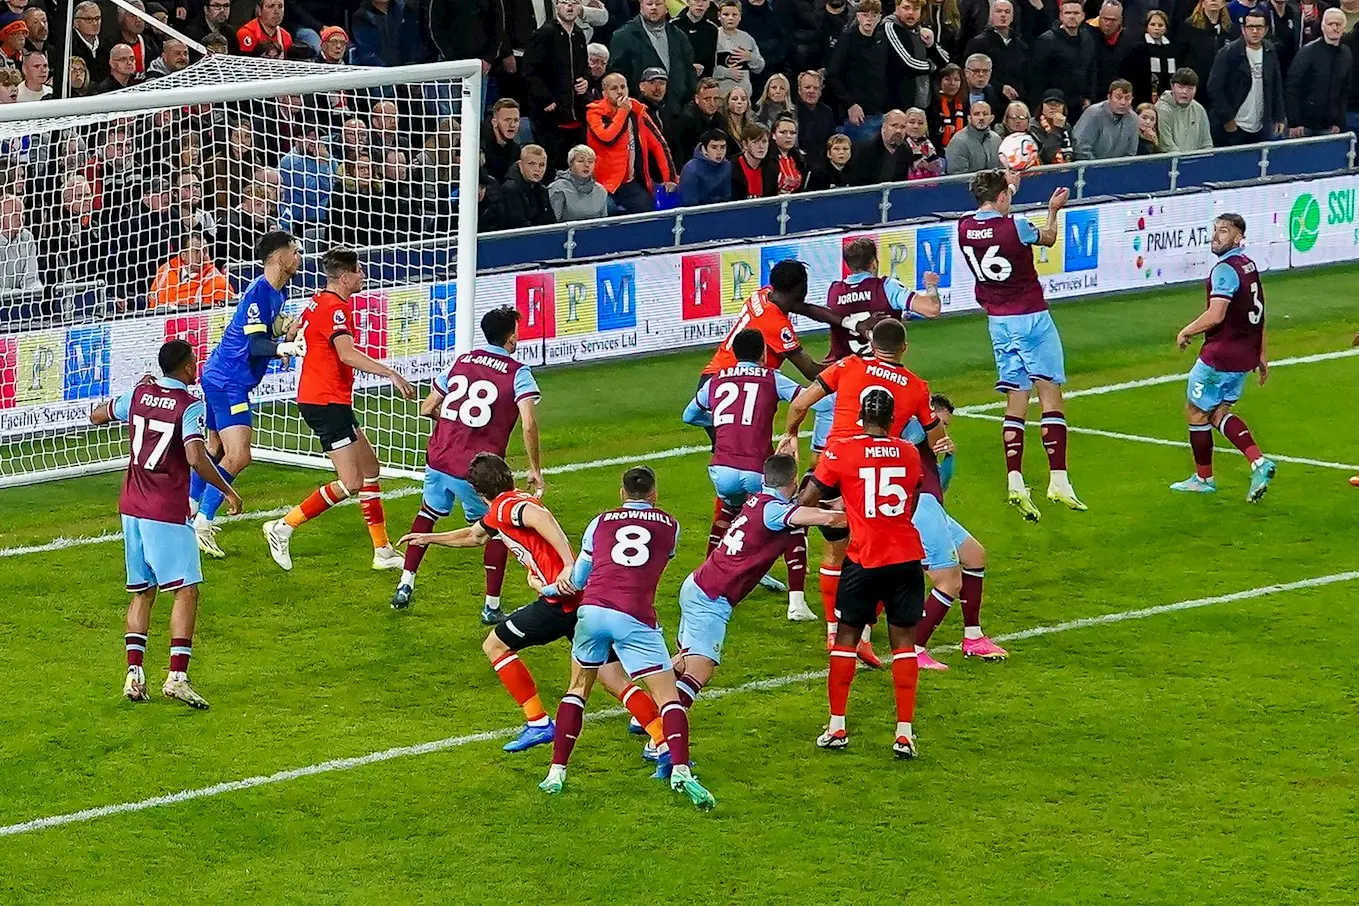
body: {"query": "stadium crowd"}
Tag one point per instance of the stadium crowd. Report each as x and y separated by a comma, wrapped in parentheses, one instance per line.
(599, 107)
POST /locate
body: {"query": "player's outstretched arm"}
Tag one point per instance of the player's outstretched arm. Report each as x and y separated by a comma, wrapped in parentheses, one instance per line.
(805, 516)
(545, 524)
(528, 425)
(797, 414)
(1212, 316)
(475, 535)
(1047, 234)
(809, 367)
(102, 413)
(429, 406)
(350, 355)
(196, 452)
(926, 303)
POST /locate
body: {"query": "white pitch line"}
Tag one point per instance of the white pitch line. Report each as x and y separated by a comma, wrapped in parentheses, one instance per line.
(1163, 379)
(453, 742)
(1163, 442)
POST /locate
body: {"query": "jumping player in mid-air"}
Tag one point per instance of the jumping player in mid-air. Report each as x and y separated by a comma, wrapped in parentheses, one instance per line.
(623, 554)
(256, 335)
(740, 402)
(325, 397)
(998, 248)
(1233, 328)
(877, 474)
(167, 426)
(474, 407)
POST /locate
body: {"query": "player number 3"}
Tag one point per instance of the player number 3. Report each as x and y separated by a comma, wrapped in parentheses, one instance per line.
(883, 493)
(469, 404)
(630, 546)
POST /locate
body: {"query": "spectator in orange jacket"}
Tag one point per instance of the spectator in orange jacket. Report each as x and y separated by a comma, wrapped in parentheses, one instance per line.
(631, 154)
(190, 279)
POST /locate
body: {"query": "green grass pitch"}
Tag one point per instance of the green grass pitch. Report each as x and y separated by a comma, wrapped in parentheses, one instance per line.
(1203, 755)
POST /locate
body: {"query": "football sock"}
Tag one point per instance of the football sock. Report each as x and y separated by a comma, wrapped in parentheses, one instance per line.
(135, 645)
(838, 681)
(795, 555)
(675, 723)
(689, 689)
(905, 672)
(830, 584)
(936, 609)
(517, 680)
(971, 597)
(1235, 430)
(721, 522)
(1012, 435)
(643, 709)
(1053, 431)
(196, 486)
(211, 499)
(494, 557)
(423, 522)
(180, 652)
(1201, 442)
(321, 499)
(570, 718)
(370, 503)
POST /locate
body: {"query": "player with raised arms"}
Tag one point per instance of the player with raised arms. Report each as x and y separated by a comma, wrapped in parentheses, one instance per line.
(623, 555)
(955, 562)
(854, 376)
(474, 407)
(521, 522)
(740, 403)
(1233, 328)
(325, 397)
(257, 333)
(877, 475)
(167, 425)
(998, 248)
(759, 534)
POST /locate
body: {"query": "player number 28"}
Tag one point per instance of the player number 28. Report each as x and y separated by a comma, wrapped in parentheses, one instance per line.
(991, 266)
(630, 546)
(164, 431)
(727, 394)
(883, 492)
(468, 403)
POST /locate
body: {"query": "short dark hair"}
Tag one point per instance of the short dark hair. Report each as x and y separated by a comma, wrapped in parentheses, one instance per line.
(788, 276)
(1185, 76)
(1254, 13)
(889, 335)
(639, 482)
(779, 470)
(489, 475)
(754, 132)
(988, 185)
(706, 82)
(877, 408)
(939, 401)
(712, 135)
(272, 242)
(499, 324)
(861, 255)
(748, 345)
(339, 261)
(1233, 220)
(1124, 85)
(504, 104)
(172, 356)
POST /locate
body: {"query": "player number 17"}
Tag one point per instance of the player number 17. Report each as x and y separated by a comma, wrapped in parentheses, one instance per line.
(883, 492)
(164, 431)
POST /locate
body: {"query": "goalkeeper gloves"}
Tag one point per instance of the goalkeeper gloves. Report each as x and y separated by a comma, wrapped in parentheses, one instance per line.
(291, 349)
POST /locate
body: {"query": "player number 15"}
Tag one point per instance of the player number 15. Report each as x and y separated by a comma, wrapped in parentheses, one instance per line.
(883, 492)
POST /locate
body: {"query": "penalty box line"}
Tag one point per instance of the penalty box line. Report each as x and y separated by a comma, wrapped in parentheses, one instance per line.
(453, 742)
(1161, 379)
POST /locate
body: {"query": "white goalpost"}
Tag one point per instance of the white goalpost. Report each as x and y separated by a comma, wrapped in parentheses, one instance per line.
(130, 218)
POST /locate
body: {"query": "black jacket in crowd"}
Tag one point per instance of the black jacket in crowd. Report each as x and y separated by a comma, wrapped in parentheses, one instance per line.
(1149, 67)
(1109, 58)
(702, 37)
(871, 163)
(1317, 89)
(1285, 30)
(1065, 62)
(465, 29)
(1230, 81)
(1199, 48)
(909, 64)
(498, 158)
(854, 73)
(518, 203)
(1008, 58)
(814, 127)
(553, 60)
(685, 130)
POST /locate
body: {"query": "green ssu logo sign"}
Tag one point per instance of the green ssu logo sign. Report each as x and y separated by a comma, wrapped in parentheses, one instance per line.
(1304, 222)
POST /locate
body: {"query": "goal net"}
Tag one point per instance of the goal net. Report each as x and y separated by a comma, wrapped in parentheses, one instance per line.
(131, 218)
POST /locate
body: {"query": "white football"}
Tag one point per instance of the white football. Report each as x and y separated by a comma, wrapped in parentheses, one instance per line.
(1018, 151)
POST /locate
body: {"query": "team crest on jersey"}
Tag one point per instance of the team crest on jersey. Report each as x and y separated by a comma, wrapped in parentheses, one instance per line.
(339, 317)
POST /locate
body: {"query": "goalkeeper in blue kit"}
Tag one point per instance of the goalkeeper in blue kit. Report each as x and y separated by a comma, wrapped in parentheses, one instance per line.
(256, 335)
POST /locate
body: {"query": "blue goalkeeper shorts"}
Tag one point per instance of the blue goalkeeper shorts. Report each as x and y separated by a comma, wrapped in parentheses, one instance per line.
(227, 408)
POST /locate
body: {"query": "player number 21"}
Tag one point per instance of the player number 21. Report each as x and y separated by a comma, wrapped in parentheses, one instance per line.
(727, 394)
(468, 403)
(164, 431)
(883, 492)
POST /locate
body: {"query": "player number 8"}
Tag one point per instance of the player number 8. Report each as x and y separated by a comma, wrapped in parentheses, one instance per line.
(630, 546)
(474, 410)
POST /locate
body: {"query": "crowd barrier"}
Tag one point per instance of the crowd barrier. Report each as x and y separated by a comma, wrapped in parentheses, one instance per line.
(649, 303)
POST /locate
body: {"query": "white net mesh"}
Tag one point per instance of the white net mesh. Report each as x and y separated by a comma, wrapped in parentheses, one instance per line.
(120, 230)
